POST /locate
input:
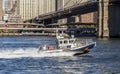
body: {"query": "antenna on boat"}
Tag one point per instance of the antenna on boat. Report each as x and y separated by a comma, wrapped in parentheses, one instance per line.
(58, 35)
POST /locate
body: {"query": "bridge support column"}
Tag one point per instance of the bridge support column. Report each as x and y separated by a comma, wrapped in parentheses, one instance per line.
(77, 18)
(103, 18)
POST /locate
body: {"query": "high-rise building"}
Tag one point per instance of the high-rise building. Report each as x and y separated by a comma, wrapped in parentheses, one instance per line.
(89, 17)
(1, 10)
(29, 9)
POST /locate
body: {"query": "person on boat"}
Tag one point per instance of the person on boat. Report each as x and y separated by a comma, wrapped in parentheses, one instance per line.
(44, 47)
(51, 47)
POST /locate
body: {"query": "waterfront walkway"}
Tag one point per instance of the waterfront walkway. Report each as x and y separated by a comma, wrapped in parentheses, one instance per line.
(48, 29)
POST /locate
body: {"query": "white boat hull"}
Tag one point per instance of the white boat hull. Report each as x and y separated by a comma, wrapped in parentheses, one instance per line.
(68, 52)
(47, 53)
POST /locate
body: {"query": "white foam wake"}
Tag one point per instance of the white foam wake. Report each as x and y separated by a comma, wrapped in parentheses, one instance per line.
(33, 52)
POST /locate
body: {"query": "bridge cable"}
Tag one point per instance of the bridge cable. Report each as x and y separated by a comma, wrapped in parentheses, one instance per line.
(67, 3)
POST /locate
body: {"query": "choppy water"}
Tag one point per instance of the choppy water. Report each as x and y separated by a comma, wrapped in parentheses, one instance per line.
(104, 59)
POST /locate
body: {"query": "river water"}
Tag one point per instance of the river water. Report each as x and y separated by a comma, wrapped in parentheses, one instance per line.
(103, 59)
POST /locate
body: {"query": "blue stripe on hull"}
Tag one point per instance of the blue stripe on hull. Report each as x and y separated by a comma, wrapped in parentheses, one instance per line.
(83, 48)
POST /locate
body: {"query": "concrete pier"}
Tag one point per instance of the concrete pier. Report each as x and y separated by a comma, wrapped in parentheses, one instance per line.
(103, 19)
(109, 23)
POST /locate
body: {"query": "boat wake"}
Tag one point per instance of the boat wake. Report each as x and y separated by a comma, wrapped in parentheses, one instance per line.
(30, 52)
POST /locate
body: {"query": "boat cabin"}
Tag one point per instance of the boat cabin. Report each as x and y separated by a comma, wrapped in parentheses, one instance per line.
(66, 43)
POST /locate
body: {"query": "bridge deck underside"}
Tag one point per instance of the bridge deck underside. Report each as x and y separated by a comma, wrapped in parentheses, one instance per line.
(81, 9)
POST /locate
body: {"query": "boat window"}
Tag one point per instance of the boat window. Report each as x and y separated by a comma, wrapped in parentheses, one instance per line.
(65, 41)
(60, 42)
(71, 41)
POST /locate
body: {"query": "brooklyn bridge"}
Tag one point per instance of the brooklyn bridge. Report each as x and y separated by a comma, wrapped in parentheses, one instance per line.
(106, 25)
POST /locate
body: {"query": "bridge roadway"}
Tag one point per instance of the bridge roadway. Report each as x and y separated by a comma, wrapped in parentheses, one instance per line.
(32, 29)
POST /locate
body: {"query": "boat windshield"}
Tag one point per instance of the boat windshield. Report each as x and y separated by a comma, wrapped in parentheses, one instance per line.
(66, 41)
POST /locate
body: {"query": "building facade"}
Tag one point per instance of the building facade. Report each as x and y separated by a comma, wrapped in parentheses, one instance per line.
(29, 9)
(89, 17)
(1, 10)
